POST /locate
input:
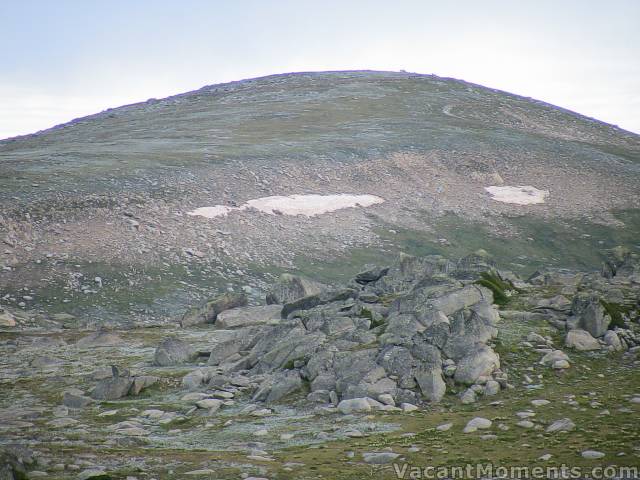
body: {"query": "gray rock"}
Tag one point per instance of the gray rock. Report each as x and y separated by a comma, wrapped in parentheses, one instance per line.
(248, 316)
(612, 340)
(431, 384)
(208, 312)
(554, 356)
(581, 340)
(112, 388)
(290, 288)
(457, 300)
(211, 404)
(379, 458)
(372, 275)
(194, 380)
(278, 386)
(592, 454)
(468, 396)
(354, 405)
(491, 388)
(562, 425)
(173, 351)
(482, 361)
(590, 314)
(477, 423)
(317, 299)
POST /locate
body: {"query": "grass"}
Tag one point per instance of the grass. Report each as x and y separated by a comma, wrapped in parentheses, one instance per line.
(615, 311)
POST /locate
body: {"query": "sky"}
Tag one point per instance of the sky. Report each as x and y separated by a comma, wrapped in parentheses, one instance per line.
(65, 59)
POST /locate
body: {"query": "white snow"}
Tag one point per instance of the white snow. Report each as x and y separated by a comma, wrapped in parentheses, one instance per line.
(308, 205)
(211, 212)
(522, 195)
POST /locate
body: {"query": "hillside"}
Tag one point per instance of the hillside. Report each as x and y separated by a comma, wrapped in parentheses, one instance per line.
(107, 195)
(337, 275)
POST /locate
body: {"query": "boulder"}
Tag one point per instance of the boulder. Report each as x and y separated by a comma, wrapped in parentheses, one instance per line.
(244, 339)
(482, 361)
(248, 316)
(431, 384)
(112, 388)
(372, 275)
(173, 351)
(282, 345)
(354, 405)
(468, 396)
(589, 315)
(491, 388)
(208, 312)
(315, 300)
(457, 300)
(581, 340)
(279, 386)
(290, 288)
(612, 340)
(477, 423)
(562, 425)
(554, 356)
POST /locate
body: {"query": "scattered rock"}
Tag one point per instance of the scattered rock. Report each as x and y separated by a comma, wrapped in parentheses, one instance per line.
(354, 405)
(476, 424)
(592, 454)
(562, 425)
(581, 340)
(379, 458)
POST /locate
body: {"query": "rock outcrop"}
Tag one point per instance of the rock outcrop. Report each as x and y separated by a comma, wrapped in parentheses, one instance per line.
(386, 335)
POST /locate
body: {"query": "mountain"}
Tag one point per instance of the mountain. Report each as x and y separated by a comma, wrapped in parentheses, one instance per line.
(100, 204)
(321, 275)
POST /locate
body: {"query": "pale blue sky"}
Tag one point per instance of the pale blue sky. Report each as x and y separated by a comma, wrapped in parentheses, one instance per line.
(68, 58)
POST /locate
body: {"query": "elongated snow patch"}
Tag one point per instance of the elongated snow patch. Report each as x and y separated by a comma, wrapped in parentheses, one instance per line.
(522, 195)
(308, 205)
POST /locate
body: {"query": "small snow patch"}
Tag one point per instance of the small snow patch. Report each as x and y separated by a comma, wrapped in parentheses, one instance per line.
(522, 195)
(308, 205)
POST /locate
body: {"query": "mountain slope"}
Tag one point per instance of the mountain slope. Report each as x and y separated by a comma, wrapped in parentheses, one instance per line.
(107, 195)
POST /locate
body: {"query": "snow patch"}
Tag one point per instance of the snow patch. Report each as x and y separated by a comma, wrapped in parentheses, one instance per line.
(307, 205)
(522, 195)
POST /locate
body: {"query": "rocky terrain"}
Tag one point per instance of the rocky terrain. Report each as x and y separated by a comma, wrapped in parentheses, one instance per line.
(424, 360)
(274, 278)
